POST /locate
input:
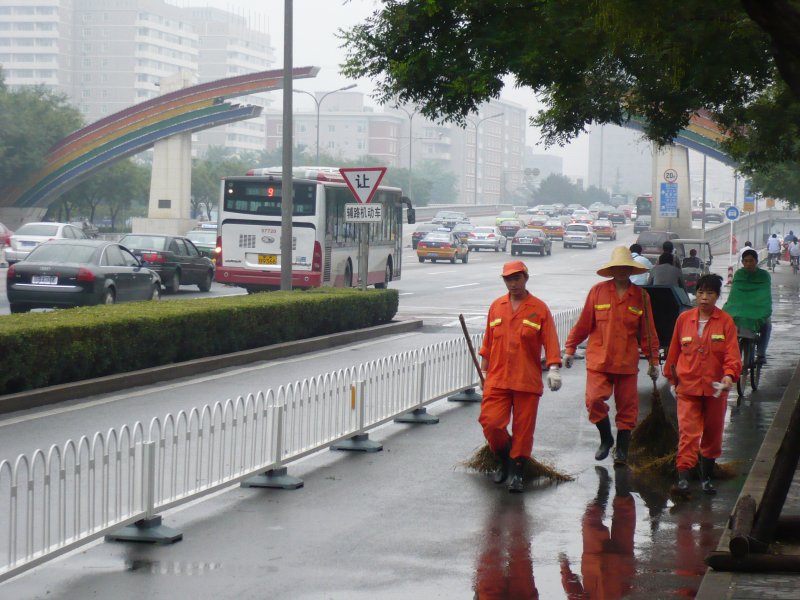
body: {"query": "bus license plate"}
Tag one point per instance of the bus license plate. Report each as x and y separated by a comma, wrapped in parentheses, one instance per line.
(268, 259)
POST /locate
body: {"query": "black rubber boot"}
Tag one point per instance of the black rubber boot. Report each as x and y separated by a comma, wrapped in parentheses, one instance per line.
(503, 465)
(606, 439)
(516, 485)
(682, 487)
(621, 451)
(706, 472)
(622, 484)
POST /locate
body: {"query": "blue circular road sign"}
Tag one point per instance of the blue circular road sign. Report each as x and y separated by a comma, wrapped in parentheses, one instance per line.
(732, 213)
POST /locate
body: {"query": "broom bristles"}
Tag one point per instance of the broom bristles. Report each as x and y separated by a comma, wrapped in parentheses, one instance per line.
(485, 461)
(664, 466)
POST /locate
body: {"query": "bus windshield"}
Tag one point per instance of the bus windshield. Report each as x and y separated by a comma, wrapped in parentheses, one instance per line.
(264, 198)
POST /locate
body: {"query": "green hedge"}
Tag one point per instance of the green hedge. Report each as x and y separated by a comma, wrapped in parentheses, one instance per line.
(41, 349)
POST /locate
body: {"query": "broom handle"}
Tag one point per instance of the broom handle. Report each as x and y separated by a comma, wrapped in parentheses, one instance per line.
(656, 395)
(471, 347)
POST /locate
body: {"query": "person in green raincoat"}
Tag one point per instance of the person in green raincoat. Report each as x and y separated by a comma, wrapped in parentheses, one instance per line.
(750, 301)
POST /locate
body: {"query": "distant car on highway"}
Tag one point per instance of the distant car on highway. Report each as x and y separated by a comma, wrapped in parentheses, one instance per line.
(509, 227)
(604, 228)
(175, 258)
(30, 235)
(652, 242)
(462, 230)
(714, 215)
(617, 217)
(531, 240)
(505, 215)
(442, 245)
(538, 220)
(450, 218)
(487, 237)
(580, 234)
(421, 231)
(641, 224)
(65, 273)
(554, 229)
(205, 240)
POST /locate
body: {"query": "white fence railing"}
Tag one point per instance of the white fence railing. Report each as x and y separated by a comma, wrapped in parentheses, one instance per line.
(52, 502)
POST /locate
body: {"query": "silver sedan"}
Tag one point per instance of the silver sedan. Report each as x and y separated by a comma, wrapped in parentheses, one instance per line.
(488, 237)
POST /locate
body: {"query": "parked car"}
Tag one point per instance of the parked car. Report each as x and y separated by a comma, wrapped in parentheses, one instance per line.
(421, 231)
(580, 234)
(505, 215)
(442, 245)
(605, 229)
(30, 235)
(554, 229)
(617, 217)
(462, 230)
(509, 227)
(175, 258)
(205, 240)
(64, 273)
(531, 240)
(641, 224)
(652, 242)
(487, 237)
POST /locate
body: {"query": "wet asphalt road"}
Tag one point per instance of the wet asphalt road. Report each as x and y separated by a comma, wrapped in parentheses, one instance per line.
(412, 522)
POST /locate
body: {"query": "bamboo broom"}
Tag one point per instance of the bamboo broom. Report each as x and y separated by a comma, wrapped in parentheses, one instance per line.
(484, 460)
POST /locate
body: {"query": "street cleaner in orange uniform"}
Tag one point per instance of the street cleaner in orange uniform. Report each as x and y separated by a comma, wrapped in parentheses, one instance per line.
(519, 326)
(703, 362)
(613, 318)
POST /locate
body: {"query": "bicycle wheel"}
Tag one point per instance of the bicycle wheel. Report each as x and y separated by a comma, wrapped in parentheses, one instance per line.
(755, 375)
(742, 382)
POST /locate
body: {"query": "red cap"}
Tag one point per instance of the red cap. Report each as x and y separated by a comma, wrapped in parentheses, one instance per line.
(515, 266)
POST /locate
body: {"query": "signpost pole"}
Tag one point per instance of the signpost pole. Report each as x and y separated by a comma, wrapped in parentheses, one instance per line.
(363, 254)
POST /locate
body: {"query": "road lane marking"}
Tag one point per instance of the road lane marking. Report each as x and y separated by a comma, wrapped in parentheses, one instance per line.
(469, 320)
(452, 287)
(175, 386)
(406, 294)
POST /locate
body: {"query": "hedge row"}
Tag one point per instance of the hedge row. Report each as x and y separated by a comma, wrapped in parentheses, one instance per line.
(41, 349)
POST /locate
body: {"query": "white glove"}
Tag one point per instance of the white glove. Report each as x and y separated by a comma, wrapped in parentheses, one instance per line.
(652, 371)
(554, 379)
(674, 391)
(568, 360)
(718, 387)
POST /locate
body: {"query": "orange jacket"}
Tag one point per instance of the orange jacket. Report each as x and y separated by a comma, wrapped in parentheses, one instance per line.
(701, 360)
(513, 344)
(614, 327)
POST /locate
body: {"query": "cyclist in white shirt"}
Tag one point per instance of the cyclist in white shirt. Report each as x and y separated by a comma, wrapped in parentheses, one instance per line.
(794, 251)
(774, 249)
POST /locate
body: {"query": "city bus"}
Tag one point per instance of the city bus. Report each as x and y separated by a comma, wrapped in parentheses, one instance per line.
(324, 243)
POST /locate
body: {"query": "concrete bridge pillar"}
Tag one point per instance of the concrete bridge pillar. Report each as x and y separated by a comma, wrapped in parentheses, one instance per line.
(169, 209)
(671, 163)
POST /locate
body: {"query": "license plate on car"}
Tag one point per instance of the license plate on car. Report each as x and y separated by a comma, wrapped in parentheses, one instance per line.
(44, 279)
(525, 240)
(433, 254)
(268, 259)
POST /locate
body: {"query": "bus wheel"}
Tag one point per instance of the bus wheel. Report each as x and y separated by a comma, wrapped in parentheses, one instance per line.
(387, 277)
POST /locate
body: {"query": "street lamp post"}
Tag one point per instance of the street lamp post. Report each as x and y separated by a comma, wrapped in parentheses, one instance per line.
(410, 142)
(477, 124)
(319, 102)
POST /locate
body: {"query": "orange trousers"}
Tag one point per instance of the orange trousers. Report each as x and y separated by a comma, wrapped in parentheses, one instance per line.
(600, 386)
(701, 420)
(496, 409)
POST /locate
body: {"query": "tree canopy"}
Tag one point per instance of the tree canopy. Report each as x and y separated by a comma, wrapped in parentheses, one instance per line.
(596, 62)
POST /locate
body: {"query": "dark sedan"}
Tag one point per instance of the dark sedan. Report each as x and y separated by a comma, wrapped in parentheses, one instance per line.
(66, 273)
(422, 230)
(531, 240)
(175, 258)
(510, 226)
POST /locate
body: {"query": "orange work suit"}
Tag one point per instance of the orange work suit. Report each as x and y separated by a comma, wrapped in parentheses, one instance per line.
(512, 346)
(616, 329)
(693, 363)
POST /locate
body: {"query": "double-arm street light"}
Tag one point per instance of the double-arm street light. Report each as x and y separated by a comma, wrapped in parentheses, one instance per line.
(318, 102)
(477, 124)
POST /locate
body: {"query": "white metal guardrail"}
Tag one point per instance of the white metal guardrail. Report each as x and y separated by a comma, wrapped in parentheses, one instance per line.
(57, 500)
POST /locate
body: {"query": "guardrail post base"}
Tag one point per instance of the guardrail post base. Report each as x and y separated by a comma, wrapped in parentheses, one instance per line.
(418, 416)
(274, 478)
(146, 530)
(358, 443)
(468, 395)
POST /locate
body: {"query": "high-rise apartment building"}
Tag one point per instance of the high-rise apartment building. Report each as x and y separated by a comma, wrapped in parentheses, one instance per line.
(106, 55)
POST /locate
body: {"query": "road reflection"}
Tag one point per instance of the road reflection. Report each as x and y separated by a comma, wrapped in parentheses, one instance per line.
(607, 562)
(505, 568)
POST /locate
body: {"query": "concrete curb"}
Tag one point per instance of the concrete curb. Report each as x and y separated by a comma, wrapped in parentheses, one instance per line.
(114, 383)
(715, 584)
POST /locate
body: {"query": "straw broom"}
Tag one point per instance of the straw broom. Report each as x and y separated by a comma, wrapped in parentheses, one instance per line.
(655, 437)
(484, 460)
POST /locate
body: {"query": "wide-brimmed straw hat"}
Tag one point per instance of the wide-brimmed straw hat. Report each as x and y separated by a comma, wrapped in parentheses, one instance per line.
(621, 257)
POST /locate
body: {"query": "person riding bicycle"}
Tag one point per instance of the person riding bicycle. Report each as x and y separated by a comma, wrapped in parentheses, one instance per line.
(789, 238)
(794, 251)
(750, 301)
(774, 249)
